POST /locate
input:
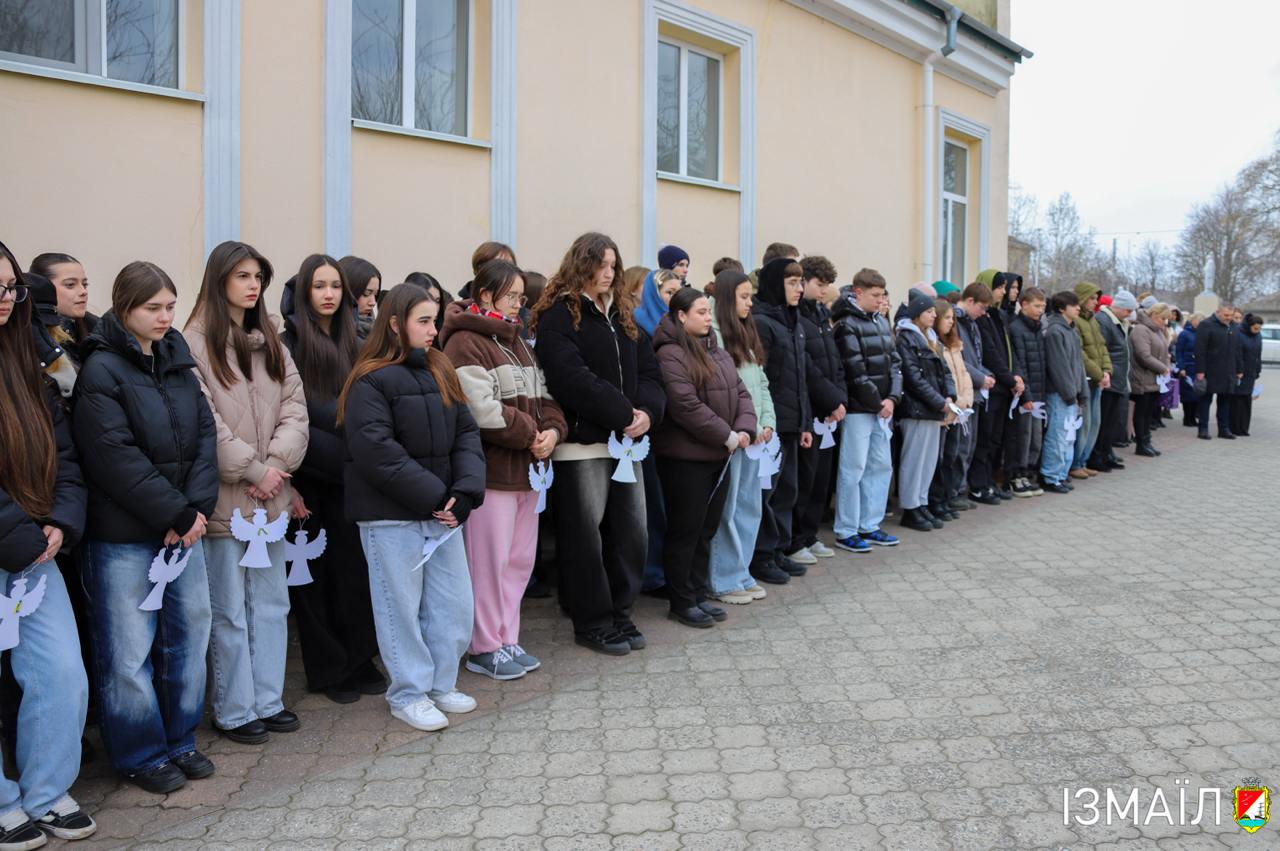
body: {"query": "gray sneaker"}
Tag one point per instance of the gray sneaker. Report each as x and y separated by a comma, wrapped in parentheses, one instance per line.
(521, 658)
(497, 665)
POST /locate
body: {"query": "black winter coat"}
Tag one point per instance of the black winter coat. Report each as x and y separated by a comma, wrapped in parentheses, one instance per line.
(596, 372)
(1250, 361)
(872, 367)
(997, 351)
(786, 365)
(409, 452)
(926, 380)
(1218, 354)
(825, 373)
(146, 436)
(326, 446)
(21, 538)
(1027, 338)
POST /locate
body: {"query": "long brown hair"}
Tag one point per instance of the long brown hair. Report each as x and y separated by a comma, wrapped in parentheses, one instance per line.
(387, 346)
(951, 339)
(487, 252)
(696, 359)
(136, 284)
(212, 312)
(29, 460)
(577, 271)
(738, 337)
(323, 359)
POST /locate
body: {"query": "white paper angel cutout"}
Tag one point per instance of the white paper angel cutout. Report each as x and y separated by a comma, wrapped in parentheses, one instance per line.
(985, 394)
(769, 457)
(18, 604)
(1163, 382)
(299, 551)
(827, 431)
(431, 543)
(1037, 411)
(541, 477)
(1013, 406)
(886, 426)
(1257, 389)
(1072, 425)
(257, 535)
(627, 451)
(165, 568)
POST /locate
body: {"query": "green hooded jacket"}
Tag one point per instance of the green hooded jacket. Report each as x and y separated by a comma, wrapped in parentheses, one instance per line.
(1096, 359)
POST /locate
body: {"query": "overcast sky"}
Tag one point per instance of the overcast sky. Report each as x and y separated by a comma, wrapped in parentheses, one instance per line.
(1140, 109)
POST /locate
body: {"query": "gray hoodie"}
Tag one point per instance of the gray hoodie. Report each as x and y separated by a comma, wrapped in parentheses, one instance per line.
(1064, 361)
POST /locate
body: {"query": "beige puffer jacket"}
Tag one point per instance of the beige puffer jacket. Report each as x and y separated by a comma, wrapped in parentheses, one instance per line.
(261, 424)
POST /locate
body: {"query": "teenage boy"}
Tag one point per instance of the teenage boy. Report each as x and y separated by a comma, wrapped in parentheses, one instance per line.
(827, 399)
(1113, 322)
(1098, 368)
(873, 379)
(1067, 390)
(973, 305)
(1027, 336)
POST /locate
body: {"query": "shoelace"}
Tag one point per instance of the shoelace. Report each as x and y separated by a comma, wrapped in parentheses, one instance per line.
(514, 650)
(501, 655)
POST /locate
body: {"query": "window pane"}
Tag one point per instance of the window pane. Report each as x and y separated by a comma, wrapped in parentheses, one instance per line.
(142, 41)
(377, 31)
(946, 241)
(668, 108)
(441, 66)
(956, 272)
(703, 158)
(955, 176)
(45, 29)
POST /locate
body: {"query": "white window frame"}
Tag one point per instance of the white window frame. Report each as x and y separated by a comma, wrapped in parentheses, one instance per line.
(965, 131)
(682, 95)
(90, 63)
(409, 82)
(948, 199)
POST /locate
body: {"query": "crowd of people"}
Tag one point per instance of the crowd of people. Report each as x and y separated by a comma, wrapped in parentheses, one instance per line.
(168, 497)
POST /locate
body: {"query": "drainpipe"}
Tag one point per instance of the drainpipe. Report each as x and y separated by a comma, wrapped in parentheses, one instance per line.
(930, 169)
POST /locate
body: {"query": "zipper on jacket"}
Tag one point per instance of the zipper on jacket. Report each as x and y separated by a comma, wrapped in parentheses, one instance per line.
(173, 416)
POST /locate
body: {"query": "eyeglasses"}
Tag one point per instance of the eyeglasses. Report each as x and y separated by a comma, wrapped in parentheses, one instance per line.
(518, 300)
(18, 293)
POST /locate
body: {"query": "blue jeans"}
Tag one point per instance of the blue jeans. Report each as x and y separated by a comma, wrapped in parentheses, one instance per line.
(864, 469)
(150, 666)
(55, 695)
(1056, 452)
(250, 634)
(424, 616)
(735, 540)
(1088, 434)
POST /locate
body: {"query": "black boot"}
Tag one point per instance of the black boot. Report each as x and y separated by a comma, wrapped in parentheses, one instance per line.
(912, 519)
(1145, 449)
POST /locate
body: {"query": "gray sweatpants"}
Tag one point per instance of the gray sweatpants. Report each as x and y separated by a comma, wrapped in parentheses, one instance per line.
(921, 443)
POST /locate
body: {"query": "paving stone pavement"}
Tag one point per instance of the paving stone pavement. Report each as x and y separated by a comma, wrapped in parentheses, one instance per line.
(938, 695)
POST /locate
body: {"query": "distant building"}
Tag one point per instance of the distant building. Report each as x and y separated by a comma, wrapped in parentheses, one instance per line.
(1268, 307)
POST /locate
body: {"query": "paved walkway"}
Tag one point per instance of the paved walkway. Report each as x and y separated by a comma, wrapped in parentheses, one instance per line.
(939, 695)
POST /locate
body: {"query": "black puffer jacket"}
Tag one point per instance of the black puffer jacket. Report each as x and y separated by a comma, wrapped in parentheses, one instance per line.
(409, 452)
(926, 380)
(146, 436)
(997, 351)
(326, 447)
(21, 538)
(826, 374)
(786, 356)
(872, 367)
(596, 372)
(1027, 338)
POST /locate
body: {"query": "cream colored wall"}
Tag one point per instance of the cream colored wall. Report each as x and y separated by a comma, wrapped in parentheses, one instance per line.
(105, 175)
(702, 221)
(282, 133)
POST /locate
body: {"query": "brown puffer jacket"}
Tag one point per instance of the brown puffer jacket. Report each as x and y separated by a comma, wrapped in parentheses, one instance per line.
(1150, 350)
(506, 392)
(261, 424)
(699, 421)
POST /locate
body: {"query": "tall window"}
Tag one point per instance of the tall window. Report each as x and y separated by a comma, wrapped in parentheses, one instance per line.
(409, 63)
(140, 37)
(689, 87)
(955, 201)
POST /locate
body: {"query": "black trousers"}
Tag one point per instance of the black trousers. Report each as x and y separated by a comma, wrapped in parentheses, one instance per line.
(695, 493)
(1224, 411)
(813, 489)
(1241, 413)
(1146, 407)
(333, 614)
(779, 504)
(1114, 420)
(948, 477)
(992, 426)
(600, 540)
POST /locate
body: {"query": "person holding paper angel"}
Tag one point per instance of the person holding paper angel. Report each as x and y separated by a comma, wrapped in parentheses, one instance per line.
(1148, 367)
(149, 446)
(1066, 390)
(928, 404)
(415, 471)
(42, 512)
(1026, 335)
(948, 479)
(333, 612)
(520, 425)
(602, 371)
(260, 409)
(709, 418)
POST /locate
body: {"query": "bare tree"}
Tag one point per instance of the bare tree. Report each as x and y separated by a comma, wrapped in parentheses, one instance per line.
(1149, 268)
(1231, 230)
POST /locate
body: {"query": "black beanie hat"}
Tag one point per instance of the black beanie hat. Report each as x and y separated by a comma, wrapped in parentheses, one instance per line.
(918, 303)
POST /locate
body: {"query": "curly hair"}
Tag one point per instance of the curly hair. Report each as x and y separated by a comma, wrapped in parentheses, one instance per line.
(817, 266)
(577, 270)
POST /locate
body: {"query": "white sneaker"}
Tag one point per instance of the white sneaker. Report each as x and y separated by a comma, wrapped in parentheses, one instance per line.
(802, 556)
(757, 592)
(737, 598)
(821, 550)
(455, 702)
(423, 715)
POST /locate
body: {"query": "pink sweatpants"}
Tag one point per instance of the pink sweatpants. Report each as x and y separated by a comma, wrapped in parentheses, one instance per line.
(501, 537)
